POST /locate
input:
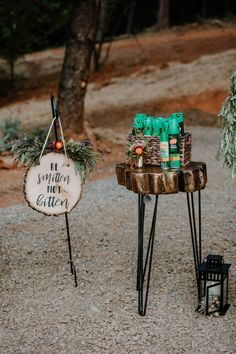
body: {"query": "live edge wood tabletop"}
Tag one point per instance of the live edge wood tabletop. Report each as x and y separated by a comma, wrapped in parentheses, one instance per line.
(154, 180)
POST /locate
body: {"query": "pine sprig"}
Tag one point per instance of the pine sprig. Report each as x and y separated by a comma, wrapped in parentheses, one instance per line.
(28, 151)
(83, 154)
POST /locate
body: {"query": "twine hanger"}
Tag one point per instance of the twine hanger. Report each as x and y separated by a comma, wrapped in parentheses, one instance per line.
(48, 134)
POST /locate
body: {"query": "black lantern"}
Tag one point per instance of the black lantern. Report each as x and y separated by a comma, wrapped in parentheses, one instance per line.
(213, 276)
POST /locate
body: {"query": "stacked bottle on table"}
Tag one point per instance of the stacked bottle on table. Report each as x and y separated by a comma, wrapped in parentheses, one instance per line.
(172, 139)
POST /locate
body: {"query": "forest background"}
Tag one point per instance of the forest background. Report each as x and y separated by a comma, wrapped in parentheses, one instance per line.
(134, 40)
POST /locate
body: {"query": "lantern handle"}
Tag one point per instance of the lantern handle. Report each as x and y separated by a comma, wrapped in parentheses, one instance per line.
(205, 260)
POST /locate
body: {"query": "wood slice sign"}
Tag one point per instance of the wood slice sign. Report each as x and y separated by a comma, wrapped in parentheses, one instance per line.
(53, 187)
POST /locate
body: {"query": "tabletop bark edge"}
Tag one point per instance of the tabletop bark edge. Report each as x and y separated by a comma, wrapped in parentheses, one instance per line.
(154, 180)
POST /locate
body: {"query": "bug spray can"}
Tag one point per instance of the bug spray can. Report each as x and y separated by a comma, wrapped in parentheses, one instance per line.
(147, 122)
(180, 119)
(156, 125)
(138, 121)
(174, 143)
(164, 144)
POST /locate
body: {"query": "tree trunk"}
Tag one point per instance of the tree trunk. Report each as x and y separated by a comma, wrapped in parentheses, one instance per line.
(75, 71)
(97, 50)
(204, 7)
(163, 14)
(12, 71)
(130, 18)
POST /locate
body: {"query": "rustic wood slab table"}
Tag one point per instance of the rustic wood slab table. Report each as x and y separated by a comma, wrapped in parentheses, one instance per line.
(154, 180)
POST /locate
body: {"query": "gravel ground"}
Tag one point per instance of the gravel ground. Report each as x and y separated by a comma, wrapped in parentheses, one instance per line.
(42, 311)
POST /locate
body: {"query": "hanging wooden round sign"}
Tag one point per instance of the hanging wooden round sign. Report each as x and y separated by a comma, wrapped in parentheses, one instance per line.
(54, 186)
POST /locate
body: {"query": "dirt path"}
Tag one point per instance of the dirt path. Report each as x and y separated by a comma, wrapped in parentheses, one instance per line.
(127, 56)
(147, 69)
(207, 74)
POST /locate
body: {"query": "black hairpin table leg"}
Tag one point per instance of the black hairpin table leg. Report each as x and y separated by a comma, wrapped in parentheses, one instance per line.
(195, 234)
(141, 268)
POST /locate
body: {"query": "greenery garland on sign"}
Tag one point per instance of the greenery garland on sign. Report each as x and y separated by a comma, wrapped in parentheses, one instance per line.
(227, 149)
(28, 151)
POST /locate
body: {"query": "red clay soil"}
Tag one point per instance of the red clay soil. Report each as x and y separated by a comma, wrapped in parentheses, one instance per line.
(137, 54)
(201, 109)
(129, 55)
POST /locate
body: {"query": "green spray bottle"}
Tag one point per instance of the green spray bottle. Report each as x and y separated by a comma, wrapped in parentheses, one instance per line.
(164, 144)
(147, 123)
(157, 125)
(138, 123)
(174, 143)
(180, 118)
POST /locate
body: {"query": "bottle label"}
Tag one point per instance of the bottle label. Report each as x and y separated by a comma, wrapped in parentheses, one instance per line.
(173, 142)
(174, 157)
(164, 148)
(174, 145)
(174, 161)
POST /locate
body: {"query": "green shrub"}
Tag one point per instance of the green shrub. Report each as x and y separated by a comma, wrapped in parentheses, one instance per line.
(9, 130)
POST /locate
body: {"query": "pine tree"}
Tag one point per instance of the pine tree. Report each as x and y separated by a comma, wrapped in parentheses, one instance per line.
(16, 19)
(227, 151)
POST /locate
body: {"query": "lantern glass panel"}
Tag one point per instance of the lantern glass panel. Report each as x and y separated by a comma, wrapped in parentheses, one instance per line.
(213, 296)
(202, 287)
(225, 291)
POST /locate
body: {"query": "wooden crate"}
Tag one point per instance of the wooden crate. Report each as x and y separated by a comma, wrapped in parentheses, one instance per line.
(186, 149)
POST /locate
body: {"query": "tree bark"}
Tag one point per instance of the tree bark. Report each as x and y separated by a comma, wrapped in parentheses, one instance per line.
(12, 71)
(163, 14)
(97, 50)
(131, 17)
(204, 6)
(75, 70)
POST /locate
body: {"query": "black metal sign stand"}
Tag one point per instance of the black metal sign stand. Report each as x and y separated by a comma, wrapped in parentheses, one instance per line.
(72, 266)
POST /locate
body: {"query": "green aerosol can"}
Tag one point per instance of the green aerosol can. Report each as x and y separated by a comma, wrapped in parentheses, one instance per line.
(174, 143)
(164, 144)
(147, 123)
(156, 126)
(180, 118)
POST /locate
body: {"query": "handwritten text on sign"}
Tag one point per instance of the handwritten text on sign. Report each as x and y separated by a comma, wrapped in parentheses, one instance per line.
(53, 187)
